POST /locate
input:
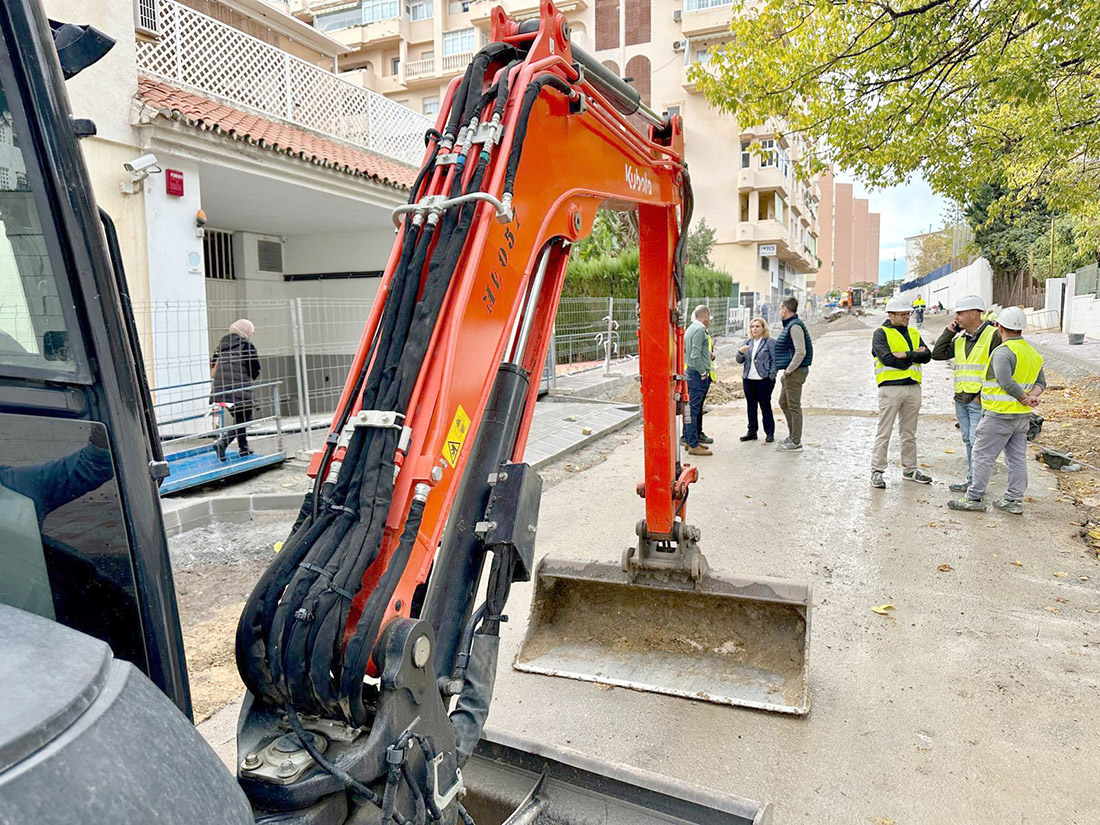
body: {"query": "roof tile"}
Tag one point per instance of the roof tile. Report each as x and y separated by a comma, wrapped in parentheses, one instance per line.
(203, 113)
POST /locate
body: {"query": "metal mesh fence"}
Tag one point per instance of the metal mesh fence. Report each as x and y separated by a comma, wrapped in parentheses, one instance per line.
(1088, 281)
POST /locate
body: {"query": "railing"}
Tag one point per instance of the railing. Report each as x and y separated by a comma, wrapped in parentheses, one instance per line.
(457, 62)
(420, 68)
(201, 53)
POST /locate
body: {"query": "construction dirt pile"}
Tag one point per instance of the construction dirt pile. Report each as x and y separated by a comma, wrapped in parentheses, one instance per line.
(1071, 412)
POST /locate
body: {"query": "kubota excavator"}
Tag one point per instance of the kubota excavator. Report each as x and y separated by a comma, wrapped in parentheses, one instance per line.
(368, 659)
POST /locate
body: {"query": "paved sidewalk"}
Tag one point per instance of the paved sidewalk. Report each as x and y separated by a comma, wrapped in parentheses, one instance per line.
(1074, 361)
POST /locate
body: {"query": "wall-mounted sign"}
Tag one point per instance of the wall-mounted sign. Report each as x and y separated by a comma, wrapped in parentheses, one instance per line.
(767, 250)
(173, 182)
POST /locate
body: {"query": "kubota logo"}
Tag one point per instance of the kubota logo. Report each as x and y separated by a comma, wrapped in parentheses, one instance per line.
(638, 181)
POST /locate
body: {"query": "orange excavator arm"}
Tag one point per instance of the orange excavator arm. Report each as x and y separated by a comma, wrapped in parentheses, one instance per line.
(431, 427)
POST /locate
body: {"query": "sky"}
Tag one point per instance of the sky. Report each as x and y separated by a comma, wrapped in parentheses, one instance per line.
(905, 210)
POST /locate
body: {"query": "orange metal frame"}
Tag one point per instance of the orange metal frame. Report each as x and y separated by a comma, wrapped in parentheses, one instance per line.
(573, 164)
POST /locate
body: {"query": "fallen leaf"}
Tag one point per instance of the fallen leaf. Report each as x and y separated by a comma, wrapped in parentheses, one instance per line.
(1082, 578)
(1051, 609)
(1060, 600)
(1092, 609)
(602, 686)
(882, 609)
(926, 466)
(945, 568)
(880, 821)
(1094, 534)
(746, 495)
(1060, 575)
(930, 524)
(278, 546)
(1017, 563)
(949, 452)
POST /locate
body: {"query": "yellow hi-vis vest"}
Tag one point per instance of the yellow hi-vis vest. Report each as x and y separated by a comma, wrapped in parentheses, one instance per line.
(898, 343)
(710, 349)
(970, 369)
(1028, 364)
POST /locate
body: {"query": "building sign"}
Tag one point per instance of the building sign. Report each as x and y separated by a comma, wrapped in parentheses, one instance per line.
(767, 250)
(173, 182)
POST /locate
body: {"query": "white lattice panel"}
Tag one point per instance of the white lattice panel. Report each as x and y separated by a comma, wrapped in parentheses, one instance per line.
(202, 53)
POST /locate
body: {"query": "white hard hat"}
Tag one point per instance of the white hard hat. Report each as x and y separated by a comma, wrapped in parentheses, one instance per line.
(898, 304)
(1012, 318)
(970, 302)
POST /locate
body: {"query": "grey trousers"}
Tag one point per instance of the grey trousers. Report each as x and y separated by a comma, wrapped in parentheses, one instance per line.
(901, 402)
(994, 435)
(790, 401)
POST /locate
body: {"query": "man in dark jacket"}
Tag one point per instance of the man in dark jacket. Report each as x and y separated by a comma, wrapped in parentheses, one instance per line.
(234, 365)
(898, 352)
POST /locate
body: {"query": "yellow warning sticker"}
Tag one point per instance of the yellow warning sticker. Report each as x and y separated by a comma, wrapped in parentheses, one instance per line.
(456, 437)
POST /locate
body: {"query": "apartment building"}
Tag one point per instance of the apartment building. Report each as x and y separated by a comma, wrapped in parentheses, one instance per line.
(765, 217)
(849, 237)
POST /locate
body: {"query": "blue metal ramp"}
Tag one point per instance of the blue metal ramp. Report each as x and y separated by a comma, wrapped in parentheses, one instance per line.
(200, 465)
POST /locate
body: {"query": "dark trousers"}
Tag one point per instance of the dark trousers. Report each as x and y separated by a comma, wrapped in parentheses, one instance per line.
(242, 414)
(758, 394)
(697, 394)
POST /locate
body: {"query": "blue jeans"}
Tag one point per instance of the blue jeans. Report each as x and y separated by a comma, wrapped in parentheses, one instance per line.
(697, 393)
(968, 416)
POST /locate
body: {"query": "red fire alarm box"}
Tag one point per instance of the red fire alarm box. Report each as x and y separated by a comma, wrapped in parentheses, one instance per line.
(173, 182)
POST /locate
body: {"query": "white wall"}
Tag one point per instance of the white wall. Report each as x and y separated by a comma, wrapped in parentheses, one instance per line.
(976, 279)
(176, 278)
(338, 252)
(1085, 316)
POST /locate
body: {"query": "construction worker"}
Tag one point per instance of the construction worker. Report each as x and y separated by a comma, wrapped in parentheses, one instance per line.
(899, 353)
(969, 340)
(1011, 387)
(919, 307)
(698, 363)
(794, 352)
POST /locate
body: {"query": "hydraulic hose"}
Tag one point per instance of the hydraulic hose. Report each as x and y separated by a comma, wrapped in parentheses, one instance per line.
(530, 94)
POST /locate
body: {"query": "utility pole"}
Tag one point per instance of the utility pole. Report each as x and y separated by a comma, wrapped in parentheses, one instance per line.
(1051, 273)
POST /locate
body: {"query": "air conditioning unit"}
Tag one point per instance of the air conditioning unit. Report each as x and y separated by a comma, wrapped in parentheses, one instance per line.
(147, 17)
(679, 45)
(676, 15)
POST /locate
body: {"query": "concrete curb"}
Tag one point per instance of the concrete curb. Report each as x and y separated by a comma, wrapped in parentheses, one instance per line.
(189, 515)
(1071, 365)
(584, 442)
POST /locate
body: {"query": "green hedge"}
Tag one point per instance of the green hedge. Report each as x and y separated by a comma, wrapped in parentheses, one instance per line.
(617, 276)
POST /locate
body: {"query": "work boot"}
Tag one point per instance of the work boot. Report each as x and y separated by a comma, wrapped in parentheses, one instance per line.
(877, 480)
(917, 476)
(967, 504)
(1007, 505)
(748, 437)
(789, 446)
(219, 448)
(769, 439)
(700, 450)
(705, 439)
(961, 487)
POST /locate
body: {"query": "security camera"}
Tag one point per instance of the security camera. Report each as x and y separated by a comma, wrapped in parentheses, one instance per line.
(145, 163)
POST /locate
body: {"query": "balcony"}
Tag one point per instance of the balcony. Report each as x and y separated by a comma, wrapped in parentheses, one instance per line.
(702, 21)
(380, 33)
(211, 58)
(481, 10)
(420, 69)
(767, 179)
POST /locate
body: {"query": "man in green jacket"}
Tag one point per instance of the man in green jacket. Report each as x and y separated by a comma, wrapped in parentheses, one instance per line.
(697, 360)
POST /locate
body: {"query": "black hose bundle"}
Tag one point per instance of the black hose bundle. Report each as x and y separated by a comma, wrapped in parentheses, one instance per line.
(290, 649)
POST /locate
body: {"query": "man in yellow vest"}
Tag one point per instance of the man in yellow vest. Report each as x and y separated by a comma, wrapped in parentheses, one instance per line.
(969, 341)
(899, 353)
(1011, 387)
(918, 307)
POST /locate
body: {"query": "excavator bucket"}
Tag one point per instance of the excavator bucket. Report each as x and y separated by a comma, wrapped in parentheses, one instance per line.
(512, 781)
(734, 640)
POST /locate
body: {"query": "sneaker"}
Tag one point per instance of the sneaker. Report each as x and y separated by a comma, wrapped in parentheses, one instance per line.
(705, 439)
(961, 487)
(789, 446)
(786, 440)
(1007, 505)
(877, 481)
(967, 504)
(700, 450)
(748, 437)
(917, 476)
(220, 450)
(770, 439)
